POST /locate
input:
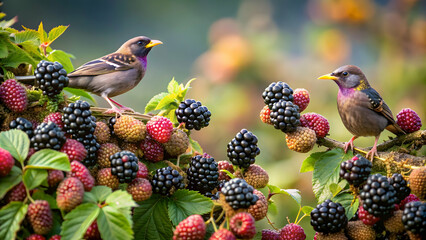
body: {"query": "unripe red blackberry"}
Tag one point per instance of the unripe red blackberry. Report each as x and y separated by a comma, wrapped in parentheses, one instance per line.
(277, 91)
(239, 194)
(105, 151)
(51, 77)
(270, 234)
(105, 178)
(55, 237)
(81, 172)
(74, 150)
(140, 189)
(193, 114)
(414, 217)
(408, 120)
(366, 217)
(222, 234)
(301, 98)
(35, 237)
(160, 128)
(48, 135)
(418, 182)
(166, 181)
(243, 149)
(40, 216)
(124, 165)
(356, 170)
(178, 143)
(191, 228)
(102, 132)
(17, 193)
(129, 129)
(400, 185)
(54, 177)
(24, 125)
(256, 176)
(260, 208)
(243, 225)
(409, 198)
(301, 140)
(55, 117)
(6, 162)
(143, 171)
(13, 95)
(316, 122)
(328, 217)
(202, 174)
(292, 231)
(152, 150)
(92, 232)
(69, 194)
(226, 166)
(265, 115)
(285, 116)
(378, 195)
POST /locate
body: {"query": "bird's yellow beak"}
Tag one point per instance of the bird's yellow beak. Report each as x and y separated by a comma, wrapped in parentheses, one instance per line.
(328, 77)
(153, 43)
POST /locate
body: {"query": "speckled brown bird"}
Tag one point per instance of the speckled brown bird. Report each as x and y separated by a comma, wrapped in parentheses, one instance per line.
(115, 73)
(361, 108)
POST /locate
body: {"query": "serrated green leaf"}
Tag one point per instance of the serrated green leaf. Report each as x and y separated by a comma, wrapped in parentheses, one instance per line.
(113, 225)
(293, 193)
(195, 146)
(11, 180)
(16, 57)
(26, 35)
(173, 86)
(184, 203)
(153, 102)
(334, 189)
(78, 220)
(11, 217)
(349, 202)
(40, 195)
(120, 199)
(56, 32)
(16, 142)
(42, 33)
(3, 48)
(100, 193)
(307, 209)
(309, 163)
(62, 57)
(8, 23)
(166, 101)
(151, 220)
(49, 159)
(81, 93)
(34, 177)
(89, 197)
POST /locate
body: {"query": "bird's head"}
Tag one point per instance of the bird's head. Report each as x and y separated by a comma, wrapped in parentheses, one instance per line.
(138, 46)
(348, 77)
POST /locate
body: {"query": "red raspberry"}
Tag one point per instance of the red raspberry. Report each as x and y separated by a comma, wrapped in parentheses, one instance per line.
(105, 178)
(315, 122)
(140, 189)
(301, 98)
(152, 150)
(242, 225)
(365, 217)
(13, 95)
(269, 234)
(92, 233)
(17, 193)
(81, 172)
(69, 194)
(55, 237)
(56, 118)
(40, 216)
(74, 150)
(35, 237)
(192, 228)
(265, 115)
(54, 177)
(6, 162)
(226, 166)
(292, 232)
(222, 234)
(160, 128)
(143, 171)
(409, 198)
(408, 120)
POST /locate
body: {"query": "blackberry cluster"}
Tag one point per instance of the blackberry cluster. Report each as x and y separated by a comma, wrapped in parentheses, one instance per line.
(51, 77)
(124, 165)
(243, 149)
(193, 114)
(24, 125)
(166, 180)
(414, 217)
(400, 186)
(48, 135)
(203, 174)
(276, 92)
(80, 124)
(378, 196)
(356, 170)
(285, 116)
(328, 217)
(239, 194)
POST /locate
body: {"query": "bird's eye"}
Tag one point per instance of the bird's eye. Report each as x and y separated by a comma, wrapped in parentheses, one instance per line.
(140, 42)
(345, 73)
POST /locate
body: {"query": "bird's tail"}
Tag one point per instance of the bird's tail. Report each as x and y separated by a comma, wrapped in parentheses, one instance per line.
(396, 129)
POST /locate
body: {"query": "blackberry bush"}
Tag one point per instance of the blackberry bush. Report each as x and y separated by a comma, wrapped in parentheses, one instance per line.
(243, 149)
(202, 174)
(51, 77)
(124, 165)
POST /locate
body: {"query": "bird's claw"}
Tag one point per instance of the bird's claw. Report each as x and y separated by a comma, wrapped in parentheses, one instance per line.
(347, 146)
(370, 155)
(114, 110)
(123, 109)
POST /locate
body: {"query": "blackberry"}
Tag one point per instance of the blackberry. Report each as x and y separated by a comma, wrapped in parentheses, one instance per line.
(24, 125)
(400, 185)
(124, 165)
(414, 217)
(48, 135)
(378, 196)
(276, 92)
(202, 174)
(243, 149)
(193, 114)
(111, 123)
(166, 180)
(239, 194)
(356, 170)
(51, 77)
(328, 217)
(285, 116)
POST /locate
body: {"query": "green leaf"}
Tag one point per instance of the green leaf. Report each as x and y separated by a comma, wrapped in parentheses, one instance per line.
(307, 209)
(16, 57)
(166, 101)
(11, 180)
(8, 23)
(153, 102)
(326, 172)
(228, 173)
(173, 86)
(195, 146)
(81, 93)
(40, 195)
(120, 199)
(335, 189)
(42, 33)
(49, 159)
(27, 35)
(62, 57)
(349, 202)
(184, 203)
(294, 193)
(99, 193)
(11, 217)
(34, 177)
(16, 142)
(3, 48)
(56, 32)
(309, 163)
(78, 220)
(113, 225)
(151, 220)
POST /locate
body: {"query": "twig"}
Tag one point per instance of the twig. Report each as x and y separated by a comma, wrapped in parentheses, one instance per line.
(97, 111)
(30, 79)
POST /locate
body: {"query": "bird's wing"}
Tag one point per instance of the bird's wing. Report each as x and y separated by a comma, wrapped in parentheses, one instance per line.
(106, 64)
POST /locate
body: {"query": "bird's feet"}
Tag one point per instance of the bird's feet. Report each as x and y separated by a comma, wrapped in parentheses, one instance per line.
(373, 152)
(350, 144)
(123, 109)
(115, 110)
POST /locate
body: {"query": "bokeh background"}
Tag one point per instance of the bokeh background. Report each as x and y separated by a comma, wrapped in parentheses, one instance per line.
(237, 48)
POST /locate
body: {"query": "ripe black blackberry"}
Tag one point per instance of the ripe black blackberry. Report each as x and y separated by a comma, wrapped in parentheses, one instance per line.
(92, 146)
(203, 174)
(285, 116)
(329, 217)
(243, 149)
(24, 125)
(276, 92)
(378, 196)
(414, 217)
(51, 77)
(124, 165)
(166, 181)
(239, 194)
(355, 170)
(111, 123)
(193, 114)
(48, 135)
(400, 185)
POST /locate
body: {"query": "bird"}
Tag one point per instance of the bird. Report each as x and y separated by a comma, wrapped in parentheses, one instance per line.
(361, 108)
(115, 73)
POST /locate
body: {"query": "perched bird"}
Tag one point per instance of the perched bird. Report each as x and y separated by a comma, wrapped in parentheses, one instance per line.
(115, 73)
(361, 108)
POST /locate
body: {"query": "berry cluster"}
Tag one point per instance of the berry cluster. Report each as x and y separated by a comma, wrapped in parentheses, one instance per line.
(24, 125)
(328, 217)
(378, 195)
(356, 170)
(48, 135)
